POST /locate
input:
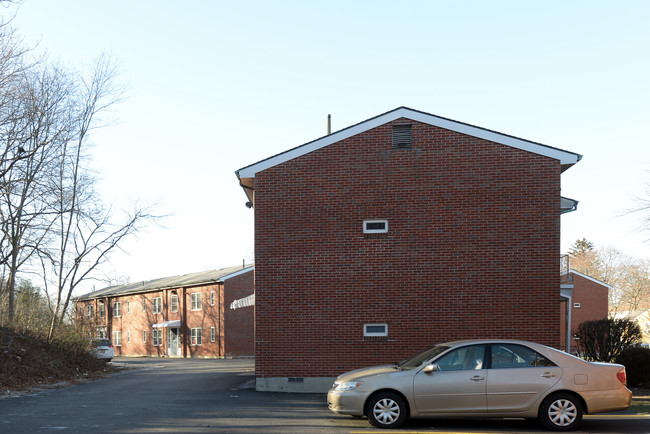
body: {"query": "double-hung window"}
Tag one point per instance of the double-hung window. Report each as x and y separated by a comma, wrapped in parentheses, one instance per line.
(90, 311)
(117, 309)
(174, 303)
(157, 337)
(196, 301)
(156, 305)
(196, 336)
(117, 339)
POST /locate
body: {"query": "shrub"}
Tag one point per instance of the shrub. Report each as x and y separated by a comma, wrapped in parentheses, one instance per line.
(637, 364)
(603, 340)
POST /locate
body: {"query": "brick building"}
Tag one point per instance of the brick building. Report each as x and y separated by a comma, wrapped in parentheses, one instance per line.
(194, 315)
(397, 233)
(587, 299)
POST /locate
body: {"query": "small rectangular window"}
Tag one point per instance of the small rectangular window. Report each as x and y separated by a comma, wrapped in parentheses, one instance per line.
(174, 303)
(144, 336)
(128, 307)
(213, 334)
(117, 309)
(376, 329)
(144, 305)
(128, 336)
(375, 226)
(576, 305)
(211, 298)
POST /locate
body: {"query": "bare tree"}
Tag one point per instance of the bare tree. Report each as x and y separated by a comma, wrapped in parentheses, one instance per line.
(629, 278)
(84, 231)
(41, 123)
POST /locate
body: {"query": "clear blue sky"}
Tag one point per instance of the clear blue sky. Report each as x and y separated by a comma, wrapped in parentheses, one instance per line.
(216, 85)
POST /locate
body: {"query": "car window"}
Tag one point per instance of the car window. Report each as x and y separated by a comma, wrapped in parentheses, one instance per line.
(462, 359)
(101, 343)
(420, 358)
(507, 356)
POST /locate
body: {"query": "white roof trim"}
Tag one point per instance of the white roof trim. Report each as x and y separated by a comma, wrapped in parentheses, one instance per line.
(591, 278)
(564, 157)
(237, 273)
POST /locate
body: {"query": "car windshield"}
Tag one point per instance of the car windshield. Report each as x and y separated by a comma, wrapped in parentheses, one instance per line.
(101, 343)
(420, 358)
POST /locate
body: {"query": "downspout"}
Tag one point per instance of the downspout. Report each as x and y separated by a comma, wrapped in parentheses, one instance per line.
(569, 304)
(183, 319)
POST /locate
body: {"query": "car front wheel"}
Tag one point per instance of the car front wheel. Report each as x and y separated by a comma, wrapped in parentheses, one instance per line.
(561, 412)
(386, 410)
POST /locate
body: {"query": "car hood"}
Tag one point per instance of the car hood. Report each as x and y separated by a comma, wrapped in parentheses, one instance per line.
(365, 372)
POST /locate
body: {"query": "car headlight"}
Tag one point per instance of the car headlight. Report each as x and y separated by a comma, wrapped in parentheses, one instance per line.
(349, 385)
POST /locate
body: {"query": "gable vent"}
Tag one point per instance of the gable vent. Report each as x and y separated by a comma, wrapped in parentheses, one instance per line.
(402, 137)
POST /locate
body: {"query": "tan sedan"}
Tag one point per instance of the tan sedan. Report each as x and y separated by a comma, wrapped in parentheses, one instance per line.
(483, 378)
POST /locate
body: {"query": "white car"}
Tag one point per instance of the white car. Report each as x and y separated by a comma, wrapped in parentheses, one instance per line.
(102, 349)
(483, 378)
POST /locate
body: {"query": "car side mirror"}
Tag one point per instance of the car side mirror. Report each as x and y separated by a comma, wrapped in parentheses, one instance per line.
(430, 368)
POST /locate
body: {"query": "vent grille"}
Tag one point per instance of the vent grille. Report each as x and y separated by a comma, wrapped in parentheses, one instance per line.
(402, 137)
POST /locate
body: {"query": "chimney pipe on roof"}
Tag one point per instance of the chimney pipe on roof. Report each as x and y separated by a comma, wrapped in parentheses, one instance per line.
(329, 124)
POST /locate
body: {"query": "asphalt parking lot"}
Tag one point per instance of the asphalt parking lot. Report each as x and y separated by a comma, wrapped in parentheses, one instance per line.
(152, 395)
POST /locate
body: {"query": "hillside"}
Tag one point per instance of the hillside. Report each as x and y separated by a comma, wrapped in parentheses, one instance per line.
(27, 363)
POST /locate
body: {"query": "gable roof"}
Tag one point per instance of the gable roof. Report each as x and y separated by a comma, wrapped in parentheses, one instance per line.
(192, 279)
(247, 174)
(607, 285)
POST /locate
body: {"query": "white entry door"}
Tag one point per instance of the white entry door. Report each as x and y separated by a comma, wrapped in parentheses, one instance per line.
(173, 341)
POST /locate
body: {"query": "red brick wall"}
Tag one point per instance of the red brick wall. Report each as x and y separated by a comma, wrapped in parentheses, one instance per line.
(472, 250)
(239, 323)
(594, 302)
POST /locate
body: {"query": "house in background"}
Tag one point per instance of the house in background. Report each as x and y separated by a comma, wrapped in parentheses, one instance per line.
(182, 316)
(642, 318)
(397, 233)
(584, 299)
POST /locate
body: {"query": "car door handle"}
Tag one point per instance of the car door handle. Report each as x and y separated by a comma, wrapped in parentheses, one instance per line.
(477, 378)
(548, 375)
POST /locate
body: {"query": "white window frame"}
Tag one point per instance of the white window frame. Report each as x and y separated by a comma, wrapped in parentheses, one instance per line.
(102, 310)
(212, 298)
(90, 311)
(576, 305)
(157, 337)
(197, 337)
(117, 338)
(144, 336)
(117, 309)
(196, 301)
(128, 336)
(144, 305)
(213, 334)
(128, 307)
(156, 305)
(173, 303)
(367, 333)
(367, 230)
